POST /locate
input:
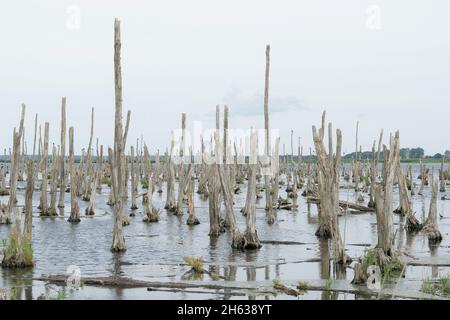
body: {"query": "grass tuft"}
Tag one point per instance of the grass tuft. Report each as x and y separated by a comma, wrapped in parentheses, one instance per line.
(195, 263)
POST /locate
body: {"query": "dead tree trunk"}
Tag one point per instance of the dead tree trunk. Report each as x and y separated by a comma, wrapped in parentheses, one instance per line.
(237, 240)
(118, 184)
(431, 225)
(151, 214)
(44, 181)
(412, 224)
(275, 172)
(269, 206)
(5, 215)
(328, 178)
(383, 199)
(98, 172)
(134, 180)
(62, 172)
(181, 173)
(213, 199)
(170, 200)
(74, 208)
(442, 176)
(89, 173)
(28, 227)
(423, 178)
(53, 183)
(192, 219)
(250, 236)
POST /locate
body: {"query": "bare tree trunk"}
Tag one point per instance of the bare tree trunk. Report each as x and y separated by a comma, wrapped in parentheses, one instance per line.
(328, 178)
(74, 208)
(383, 198)
(44, 181)
(250, 236)
(442, 176)
(53, 183)
(134, 181)
(275, 171)
(192, 219)
(158, 173)
(5, 215)
(170, 200)
(214, 201)
(35, 136)
(181, 173)
(118, 184)
(431, 225)
(269, 206)
(151, 214)
(89, 174)
(28, 227)
(412, 224)
(62, 172)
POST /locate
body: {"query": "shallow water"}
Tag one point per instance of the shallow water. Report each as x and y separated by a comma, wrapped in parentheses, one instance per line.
(155, 251)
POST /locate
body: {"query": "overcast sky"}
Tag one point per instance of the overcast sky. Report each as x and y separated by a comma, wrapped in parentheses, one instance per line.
(384, 63)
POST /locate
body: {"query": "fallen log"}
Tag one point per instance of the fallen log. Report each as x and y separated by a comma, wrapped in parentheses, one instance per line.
(344, 205)
(405, 289)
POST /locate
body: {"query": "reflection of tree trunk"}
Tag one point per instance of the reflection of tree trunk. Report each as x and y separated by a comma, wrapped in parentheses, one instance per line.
(324, 259)
(434, 253)
(251, 276)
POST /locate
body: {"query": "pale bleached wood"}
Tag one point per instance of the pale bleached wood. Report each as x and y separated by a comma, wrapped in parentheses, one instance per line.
(328, 168)
(53, 182)
(431, 228)
(269, 206)
(151, 214)
(62, 170)
(44, 166)
(28, 224)
(250, 236)
(383, 203)
(74, 176)
(116, 157)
